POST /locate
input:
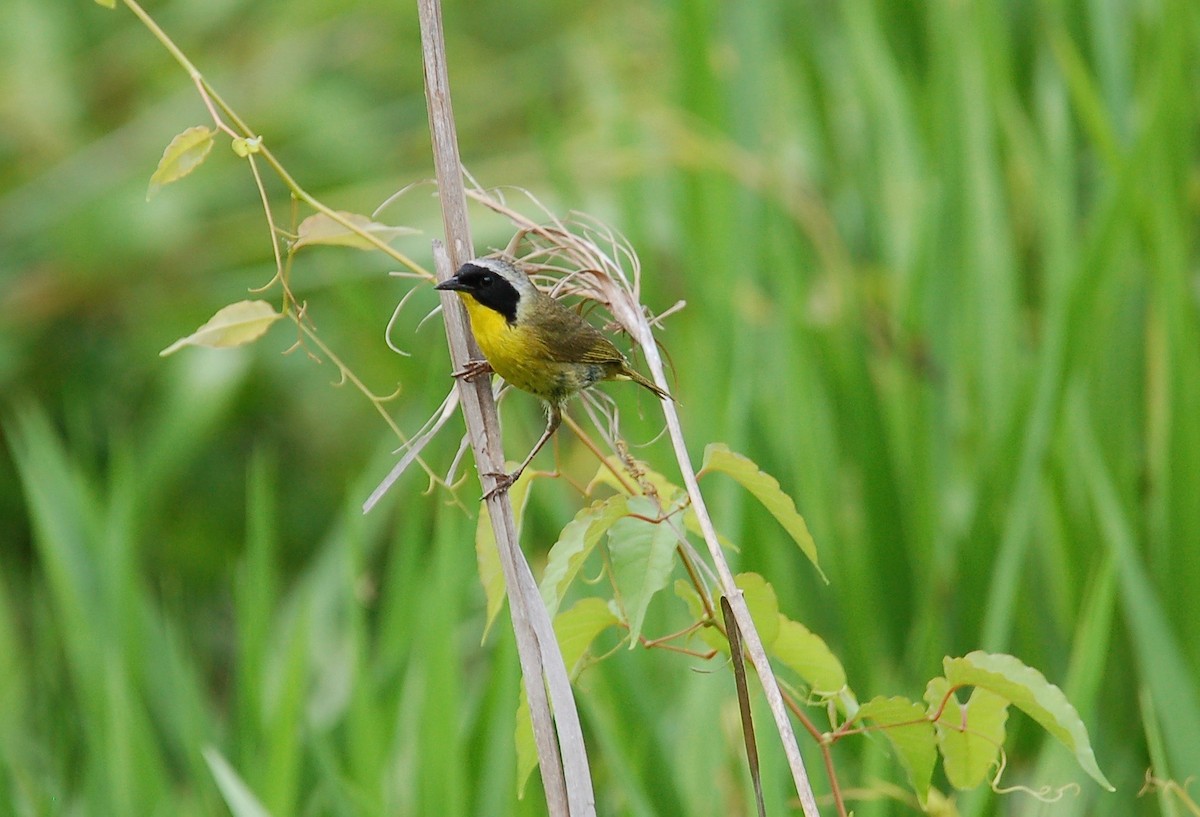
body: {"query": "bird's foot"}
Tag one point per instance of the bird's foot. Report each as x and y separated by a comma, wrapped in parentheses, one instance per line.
(473, 369)
(503, 482)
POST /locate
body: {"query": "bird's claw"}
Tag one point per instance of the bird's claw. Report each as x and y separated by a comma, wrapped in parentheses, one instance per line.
(473, 369)
(503, 483)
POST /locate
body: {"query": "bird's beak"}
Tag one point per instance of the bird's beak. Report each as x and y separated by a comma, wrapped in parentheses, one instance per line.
(451, 283)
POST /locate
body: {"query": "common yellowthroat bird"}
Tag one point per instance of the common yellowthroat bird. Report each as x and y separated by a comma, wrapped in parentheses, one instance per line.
(535, 343)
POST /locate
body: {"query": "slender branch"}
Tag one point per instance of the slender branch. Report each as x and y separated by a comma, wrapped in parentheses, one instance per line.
(162, 37)
(266, 204)
(348, 375)
(839, 799)
(595, 449)
(213, 101)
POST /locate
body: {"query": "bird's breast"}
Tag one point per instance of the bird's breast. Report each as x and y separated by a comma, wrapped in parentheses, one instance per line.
(519, 356)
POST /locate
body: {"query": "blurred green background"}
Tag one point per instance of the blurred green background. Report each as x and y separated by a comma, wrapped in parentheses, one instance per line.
(941, 273)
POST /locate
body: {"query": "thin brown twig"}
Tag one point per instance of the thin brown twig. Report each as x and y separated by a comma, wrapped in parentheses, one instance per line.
(595, 449)
(825, 744)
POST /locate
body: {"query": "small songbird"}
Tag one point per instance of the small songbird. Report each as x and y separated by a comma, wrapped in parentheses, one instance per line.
(535, 343)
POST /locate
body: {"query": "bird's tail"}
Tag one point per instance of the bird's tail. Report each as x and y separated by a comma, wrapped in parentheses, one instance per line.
(637, 377)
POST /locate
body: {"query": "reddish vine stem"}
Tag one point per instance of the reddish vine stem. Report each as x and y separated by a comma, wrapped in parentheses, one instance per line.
(826, 745)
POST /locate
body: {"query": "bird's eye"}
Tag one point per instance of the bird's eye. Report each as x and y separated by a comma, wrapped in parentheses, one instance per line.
(485, 281)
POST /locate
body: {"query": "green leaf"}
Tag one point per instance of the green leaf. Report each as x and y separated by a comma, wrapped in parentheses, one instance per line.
(108, 4)
(487, 554)
(527, 757)
(233, 325)
(911, 734)
(578, 627)
(764, 606)
(1028, 690)
(765, 488)
(642, 556)
(691, 523)
(239, 798)
(969, 737)
(321, 229)
(807, 655)
(575, 544)
(183, 155)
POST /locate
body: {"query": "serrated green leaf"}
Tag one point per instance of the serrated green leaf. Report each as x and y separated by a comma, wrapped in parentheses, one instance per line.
(765, 488)
(911, 734)
(487, 555)
(642, 555)
(807, 655)
(575, 544)
(969, 737)
(183, 155)
(1028, 690)
(233, 325)
(321, 229)
(763, 605)
(239, 798)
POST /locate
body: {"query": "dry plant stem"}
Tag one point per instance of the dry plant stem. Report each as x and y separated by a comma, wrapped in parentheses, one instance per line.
(565, 777)
(751, 640)
(483, 429)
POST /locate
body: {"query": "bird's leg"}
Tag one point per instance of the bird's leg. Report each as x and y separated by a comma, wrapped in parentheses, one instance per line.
(505, 481)
(473, 369)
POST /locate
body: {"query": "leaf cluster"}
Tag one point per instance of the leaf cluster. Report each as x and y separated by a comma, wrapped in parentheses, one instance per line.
(636, 544)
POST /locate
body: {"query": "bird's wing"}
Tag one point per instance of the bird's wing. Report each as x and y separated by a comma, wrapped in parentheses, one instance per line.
(575, 340)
